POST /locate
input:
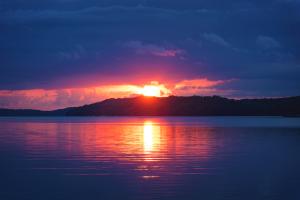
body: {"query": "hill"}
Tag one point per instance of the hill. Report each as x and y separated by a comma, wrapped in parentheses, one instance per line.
(175, 106)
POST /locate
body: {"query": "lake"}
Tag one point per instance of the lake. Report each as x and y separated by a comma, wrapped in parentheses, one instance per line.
(89, 158)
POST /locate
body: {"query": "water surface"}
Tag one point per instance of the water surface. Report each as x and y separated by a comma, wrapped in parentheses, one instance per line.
(150, 158)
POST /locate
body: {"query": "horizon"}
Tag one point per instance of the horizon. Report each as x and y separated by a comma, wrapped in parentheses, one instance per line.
(156, 97)
(60, 54)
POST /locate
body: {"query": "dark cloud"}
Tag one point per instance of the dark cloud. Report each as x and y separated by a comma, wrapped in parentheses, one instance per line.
(153, 49)
(51, 43)
(212, 37)
(267, 42)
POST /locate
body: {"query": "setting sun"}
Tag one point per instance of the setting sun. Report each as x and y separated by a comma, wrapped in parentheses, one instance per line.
(154, 89)
(151, 91)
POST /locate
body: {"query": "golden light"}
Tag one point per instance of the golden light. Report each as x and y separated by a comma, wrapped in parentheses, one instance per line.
(151, 91)
(148, 136)
(154, 89)
(151, 138)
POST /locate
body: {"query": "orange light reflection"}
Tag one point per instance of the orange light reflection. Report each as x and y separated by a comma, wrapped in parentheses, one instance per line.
(153, 146)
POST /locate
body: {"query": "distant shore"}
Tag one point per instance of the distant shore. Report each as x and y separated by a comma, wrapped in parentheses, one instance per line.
(175, 106)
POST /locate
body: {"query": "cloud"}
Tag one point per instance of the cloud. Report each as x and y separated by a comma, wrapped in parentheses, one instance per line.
(204, 92)
(152, 49)
(87, 14)
(214, 38)
(267, 42)
(68, 97)
(161, 88)
(74, 54)
(49, 99)
(38, 41)
(198, 83)
(61, 98)
(201, 87)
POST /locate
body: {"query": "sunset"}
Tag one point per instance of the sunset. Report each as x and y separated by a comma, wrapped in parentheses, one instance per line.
(151, 90)
(58, 54)
(149, 99)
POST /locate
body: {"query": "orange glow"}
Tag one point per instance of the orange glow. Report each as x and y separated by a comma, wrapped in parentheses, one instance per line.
(153, 147)
(147, 140)
(151, 137)
(151, 91)
(61, 98)
(49, 99)
(148, 137)
(154, 90)
(199, 83)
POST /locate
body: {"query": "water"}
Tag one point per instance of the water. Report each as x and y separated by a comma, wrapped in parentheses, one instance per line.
(150, 158)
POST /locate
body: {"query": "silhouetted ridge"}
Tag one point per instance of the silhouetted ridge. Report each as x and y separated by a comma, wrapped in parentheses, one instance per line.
(176, 106)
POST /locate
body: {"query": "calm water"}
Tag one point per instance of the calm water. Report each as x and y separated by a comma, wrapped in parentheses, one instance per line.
(150, 158)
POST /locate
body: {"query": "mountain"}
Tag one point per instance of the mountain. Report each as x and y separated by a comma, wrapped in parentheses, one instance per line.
(175, 106)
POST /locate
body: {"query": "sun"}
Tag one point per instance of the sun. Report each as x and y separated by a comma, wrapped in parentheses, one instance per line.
(151, 91)
(154, 89)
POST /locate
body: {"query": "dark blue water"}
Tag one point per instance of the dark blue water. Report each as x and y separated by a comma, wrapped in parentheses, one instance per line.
(150, 158)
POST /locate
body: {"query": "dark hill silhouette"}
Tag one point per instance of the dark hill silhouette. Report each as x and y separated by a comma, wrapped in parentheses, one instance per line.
(175, 106)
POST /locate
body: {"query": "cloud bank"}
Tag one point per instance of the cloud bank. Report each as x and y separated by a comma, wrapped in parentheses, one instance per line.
(55, 44)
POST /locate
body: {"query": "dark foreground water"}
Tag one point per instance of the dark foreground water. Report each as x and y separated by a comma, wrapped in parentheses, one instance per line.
(207, 158)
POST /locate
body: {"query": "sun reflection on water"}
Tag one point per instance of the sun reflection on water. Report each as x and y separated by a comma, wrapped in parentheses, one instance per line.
(151, 147)
(151, 137)
(148, 137)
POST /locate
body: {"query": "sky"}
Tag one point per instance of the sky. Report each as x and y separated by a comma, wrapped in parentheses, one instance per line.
(61, 53)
